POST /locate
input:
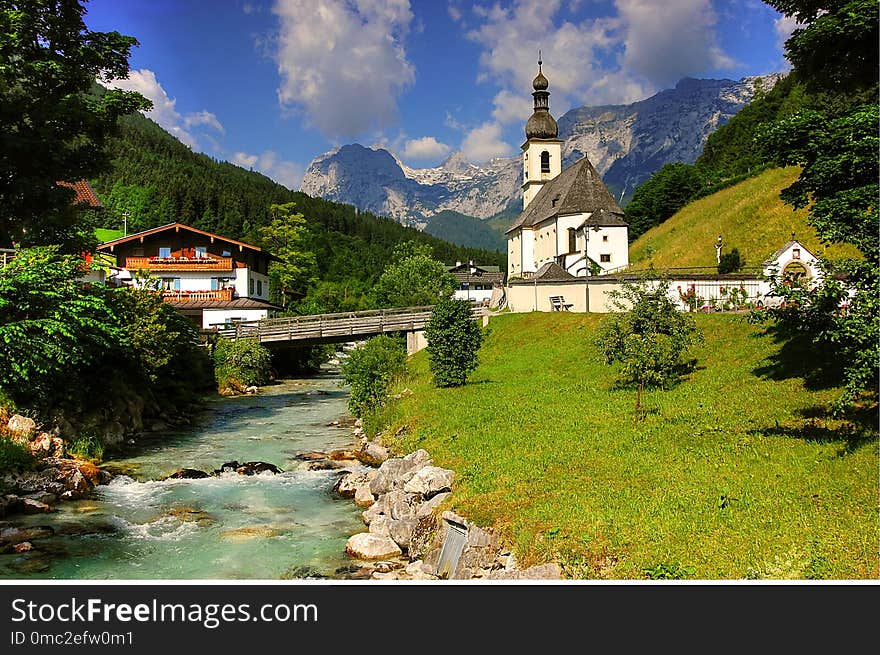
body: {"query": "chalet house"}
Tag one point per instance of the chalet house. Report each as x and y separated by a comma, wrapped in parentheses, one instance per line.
(476, 283)
(212, 279)
(569, 217)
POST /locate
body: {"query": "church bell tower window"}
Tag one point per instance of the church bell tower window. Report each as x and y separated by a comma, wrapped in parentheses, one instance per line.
(545, 162)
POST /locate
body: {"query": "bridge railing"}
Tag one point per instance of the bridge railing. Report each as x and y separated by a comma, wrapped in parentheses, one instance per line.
(324, 326)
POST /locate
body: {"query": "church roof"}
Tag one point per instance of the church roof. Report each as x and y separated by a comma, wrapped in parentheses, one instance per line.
(552, 272)
(576, 190)
(776, 255)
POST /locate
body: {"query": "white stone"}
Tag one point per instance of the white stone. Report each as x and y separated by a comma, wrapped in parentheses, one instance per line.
(371, 546)
(429, 481)
(363, 497)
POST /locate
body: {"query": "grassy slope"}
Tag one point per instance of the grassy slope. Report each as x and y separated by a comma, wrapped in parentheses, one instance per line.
(749, 216)
(726, 475)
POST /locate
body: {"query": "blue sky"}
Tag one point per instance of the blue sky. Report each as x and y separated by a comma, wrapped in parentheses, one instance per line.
(270, 84)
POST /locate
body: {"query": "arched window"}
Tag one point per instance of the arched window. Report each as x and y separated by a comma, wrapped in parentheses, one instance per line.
(545, 162)
(572, 240)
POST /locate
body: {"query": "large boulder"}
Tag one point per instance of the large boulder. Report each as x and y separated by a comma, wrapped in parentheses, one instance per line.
(371, 546)
(381, 526)
(363, 497)
(428, 507)
(21, 428)
(348, 483)
(429, 481)
(372, 454)
(401, 530)
(394, 474)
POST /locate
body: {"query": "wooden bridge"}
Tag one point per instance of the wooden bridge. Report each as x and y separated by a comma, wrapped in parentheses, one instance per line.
(337, 328)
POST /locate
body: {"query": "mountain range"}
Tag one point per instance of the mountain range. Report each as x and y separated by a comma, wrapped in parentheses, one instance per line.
(626, 144)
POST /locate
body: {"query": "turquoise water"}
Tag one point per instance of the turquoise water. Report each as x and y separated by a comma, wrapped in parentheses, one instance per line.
(263, 527)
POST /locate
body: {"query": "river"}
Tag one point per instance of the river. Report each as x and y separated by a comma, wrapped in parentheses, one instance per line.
(227, 527)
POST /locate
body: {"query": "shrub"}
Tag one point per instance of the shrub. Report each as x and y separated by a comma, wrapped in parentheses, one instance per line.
(87, 445)
(454, 339)
(369, 370)
(731, 262)
(241, 363)
(13, 456)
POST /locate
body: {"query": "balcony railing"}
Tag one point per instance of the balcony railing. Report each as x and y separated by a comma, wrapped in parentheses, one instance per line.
(179, 263)
(170, 295)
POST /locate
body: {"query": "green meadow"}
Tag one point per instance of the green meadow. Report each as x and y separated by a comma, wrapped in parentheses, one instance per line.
(736, 472)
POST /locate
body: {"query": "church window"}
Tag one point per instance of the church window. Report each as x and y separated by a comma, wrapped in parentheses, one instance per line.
(545, 162)
(604, 238)
(605, 258)
(572, 240)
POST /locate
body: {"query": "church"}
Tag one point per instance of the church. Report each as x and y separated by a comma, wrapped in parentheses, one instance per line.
(570, 220)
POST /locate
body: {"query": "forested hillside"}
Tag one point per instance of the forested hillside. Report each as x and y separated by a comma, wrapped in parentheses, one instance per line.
(155, 179)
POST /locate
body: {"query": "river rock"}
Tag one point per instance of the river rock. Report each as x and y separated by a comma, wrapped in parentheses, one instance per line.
(371, 513)
(394, 474)
(427, 508)
(363, 497)
(251, 390)
(16, 535)
(372, 454)
(343, 454)
(348, 483)
(31, 506)
(401, 530)
(252, 532)
(371, 546)
(255, 468)
(23, 547)
(381, 526)
(21, 428)
(227, 467)
(312, 456)
(187, 474)
(429, 481)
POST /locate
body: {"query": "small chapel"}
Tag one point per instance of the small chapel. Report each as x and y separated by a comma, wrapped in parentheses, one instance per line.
(570, 220)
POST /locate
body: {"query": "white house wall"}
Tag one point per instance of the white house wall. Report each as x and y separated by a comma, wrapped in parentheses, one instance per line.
(212, 317)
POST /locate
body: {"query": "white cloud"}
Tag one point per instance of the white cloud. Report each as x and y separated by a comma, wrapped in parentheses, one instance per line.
(203, 118)
(343, 62)
(664, 45)
(484, 142)
(270, 163)
(164, 110)
(427, 147)
(454, 12)
(620, 58)
(785, 26)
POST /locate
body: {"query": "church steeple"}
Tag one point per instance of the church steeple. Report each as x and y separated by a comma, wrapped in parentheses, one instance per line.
(541, 124)
(542, 151)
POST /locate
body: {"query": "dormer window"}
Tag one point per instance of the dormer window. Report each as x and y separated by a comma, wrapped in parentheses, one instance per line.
(545, 162)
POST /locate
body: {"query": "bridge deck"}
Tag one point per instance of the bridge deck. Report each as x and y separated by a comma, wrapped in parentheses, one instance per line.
(330, 328)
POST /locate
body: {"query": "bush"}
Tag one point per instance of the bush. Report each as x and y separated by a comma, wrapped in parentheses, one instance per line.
(13, 456)
(241, 363)
(453, 341)
(731, 262)
(87, 445)
(369, 370)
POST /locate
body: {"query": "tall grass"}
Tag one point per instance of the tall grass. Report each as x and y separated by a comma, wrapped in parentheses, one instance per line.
(749, 216)
(735, 473)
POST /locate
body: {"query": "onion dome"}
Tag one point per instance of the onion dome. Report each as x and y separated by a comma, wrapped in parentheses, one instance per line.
(541, 125)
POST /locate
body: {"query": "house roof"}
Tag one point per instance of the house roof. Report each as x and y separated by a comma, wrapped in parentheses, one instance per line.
(551, 272)
(464, 266)
(604, 218)
(175, 226)
(237, 303)
(495, 277)
(576, 190)
(776, 255)
(84, 193)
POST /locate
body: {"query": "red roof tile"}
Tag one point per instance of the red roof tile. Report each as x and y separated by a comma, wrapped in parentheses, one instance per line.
(84, 193)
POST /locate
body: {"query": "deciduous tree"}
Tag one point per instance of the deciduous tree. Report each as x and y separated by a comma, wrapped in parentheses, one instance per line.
(53, 127)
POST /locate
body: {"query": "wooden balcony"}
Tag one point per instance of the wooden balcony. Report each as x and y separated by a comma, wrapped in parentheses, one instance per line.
(180, 296)
(179, 263)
